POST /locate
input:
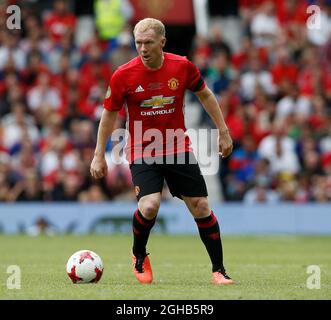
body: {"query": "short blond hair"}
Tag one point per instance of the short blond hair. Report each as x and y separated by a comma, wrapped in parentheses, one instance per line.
(150, 23)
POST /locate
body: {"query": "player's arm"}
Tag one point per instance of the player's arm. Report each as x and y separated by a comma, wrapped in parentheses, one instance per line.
(114, 100)
(98, 166)
(209, 102)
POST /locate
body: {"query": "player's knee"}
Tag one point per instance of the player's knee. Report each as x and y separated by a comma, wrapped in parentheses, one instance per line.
(201, 207)
(149, 208)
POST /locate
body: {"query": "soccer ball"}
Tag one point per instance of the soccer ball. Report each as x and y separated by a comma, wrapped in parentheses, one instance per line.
(84, 266)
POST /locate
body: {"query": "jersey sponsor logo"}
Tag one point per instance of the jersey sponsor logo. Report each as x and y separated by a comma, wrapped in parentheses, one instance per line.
(173, 83)
(157, 102)
(157, 112)
(139, 89)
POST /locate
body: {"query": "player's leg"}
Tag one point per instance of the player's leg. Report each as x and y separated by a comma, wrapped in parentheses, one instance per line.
(143, 221)
(186, 182)
(209, 231)
(148, 182)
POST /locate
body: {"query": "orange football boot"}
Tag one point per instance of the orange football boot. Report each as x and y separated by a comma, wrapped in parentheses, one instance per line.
(142, 268)
(221, 278)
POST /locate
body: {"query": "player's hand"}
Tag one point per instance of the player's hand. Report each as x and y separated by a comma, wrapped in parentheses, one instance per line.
(98, 168)
(225, 143)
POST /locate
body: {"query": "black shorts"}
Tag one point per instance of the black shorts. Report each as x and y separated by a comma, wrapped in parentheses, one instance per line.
(183, 176)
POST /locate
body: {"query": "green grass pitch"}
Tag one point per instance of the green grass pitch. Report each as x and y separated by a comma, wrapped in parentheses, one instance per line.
(264, 267)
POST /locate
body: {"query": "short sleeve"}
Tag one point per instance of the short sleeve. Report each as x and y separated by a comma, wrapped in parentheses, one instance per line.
(115, 96)
(195, 81)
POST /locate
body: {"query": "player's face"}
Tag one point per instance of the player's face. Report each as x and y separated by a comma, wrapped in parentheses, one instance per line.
(149, 46)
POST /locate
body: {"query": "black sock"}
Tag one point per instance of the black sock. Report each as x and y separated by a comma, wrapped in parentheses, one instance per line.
(141, 228)
(209, 231)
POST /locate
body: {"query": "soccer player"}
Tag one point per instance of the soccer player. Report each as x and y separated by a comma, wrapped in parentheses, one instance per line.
(152, 87)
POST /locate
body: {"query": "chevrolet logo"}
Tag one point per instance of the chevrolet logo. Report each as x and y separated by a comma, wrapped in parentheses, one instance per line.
(157, 102)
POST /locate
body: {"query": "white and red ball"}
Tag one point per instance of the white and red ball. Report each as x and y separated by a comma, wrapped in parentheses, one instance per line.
(85, 266)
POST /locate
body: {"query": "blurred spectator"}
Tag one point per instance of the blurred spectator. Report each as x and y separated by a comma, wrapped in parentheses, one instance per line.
(60, 21)
(234, 114)
(320, 190)
(34, 68)
(256, 76)
(5, 183)
(260, 194)
(24, 157)
(93, 194)
(292, 12)
(240, 59)
(325, 143)
(88, 106)
(303, 192)
(279, 149)
(67, 187)
(82, 134)
(243, 160)
(293, 103)
(64, 55)
(283, 70)
(31, 188)
(9, 178)
(17, 125)
(94, 71)
(124, 52)
(217, 43)
(200, 53)
(118, 180)
(44, 95)
(287, 186)
(111, 16)
(12, 57)
(260, 114)
(276, 142)
(264, 25)
(34, 37)
(220, 73)
(263, 174)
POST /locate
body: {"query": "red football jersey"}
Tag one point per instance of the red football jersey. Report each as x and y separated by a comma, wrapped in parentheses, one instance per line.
(154, 100)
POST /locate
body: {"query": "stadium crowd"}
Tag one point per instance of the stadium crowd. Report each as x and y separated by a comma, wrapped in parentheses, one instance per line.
(275, 92)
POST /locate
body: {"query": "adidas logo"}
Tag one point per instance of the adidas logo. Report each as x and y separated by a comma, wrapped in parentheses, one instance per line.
(139, 89)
